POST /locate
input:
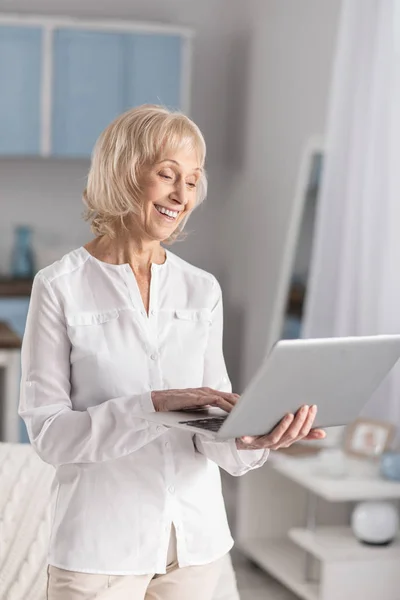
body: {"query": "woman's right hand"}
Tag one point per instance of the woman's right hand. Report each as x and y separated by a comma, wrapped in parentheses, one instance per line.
(193, 398)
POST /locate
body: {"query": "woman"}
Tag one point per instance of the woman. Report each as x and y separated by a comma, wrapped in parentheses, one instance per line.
(122, 326)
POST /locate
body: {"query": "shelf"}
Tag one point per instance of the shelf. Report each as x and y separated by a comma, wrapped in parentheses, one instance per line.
(15, 287)
(295, 301)
(331, 544)
(283, 561)
(354, 487)
(9, 340)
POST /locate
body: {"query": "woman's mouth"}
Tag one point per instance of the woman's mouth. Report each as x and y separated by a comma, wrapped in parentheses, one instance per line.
(170, 215)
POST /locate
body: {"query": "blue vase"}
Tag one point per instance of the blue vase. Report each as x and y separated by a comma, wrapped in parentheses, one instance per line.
(22, 259)
(390, 465)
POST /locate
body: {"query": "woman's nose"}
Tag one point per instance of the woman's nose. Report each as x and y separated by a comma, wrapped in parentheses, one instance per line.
(179, 193)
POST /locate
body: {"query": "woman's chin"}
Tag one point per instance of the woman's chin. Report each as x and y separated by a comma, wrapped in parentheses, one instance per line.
(162, 233)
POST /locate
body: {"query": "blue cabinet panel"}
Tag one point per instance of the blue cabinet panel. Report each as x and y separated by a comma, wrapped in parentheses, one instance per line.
(14, 312)
(99, 75)
(154, 70)
(96, 76)
(20, 90)
(88, 88)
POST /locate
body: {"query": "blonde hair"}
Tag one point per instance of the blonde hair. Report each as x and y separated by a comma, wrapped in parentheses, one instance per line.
(132, 140)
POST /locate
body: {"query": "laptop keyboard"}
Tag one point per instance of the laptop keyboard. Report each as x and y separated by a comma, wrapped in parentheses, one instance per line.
(209, 423)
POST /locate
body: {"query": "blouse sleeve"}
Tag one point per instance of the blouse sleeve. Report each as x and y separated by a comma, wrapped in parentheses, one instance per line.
(60, 434)
(224, 453)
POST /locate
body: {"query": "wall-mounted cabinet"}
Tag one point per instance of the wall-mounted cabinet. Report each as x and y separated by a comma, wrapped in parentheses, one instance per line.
(20, 89)
(63, 81)
(88, 88)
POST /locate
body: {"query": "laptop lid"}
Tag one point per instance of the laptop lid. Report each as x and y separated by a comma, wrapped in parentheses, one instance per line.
(339, 375)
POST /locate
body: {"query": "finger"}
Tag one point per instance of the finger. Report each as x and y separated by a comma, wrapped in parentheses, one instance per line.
(308, 423)
(245, 445)
(300, 428)
(227, 395)
(248, 439)
(231, 401)
(202, 401)
(194, 408)
(205, 398)
(257, 445)
(316, 434)
(221, 403)
(224, 400)
(281, 429)
(293, 431)
(267, 441)
(231, 398)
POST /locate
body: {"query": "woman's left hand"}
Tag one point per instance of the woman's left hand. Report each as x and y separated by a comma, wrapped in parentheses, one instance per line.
(291, 429)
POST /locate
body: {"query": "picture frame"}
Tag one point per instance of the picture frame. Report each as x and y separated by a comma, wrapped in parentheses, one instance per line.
(368, 438)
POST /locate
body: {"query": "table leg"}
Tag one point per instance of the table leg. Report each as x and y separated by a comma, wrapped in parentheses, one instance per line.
(311, 523)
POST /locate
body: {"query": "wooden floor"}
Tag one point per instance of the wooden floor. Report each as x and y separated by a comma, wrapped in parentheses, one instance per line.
(254, 584)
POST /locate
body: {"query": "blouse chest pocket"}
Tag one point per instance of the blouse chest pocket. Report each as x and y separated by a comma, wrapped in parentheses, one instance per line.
(202, 315)
(190, 329)
(90, 333)
(186, 338)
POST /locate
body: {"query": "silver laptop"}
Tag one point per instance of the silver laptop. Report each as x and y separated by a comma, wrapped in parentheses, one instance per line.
(339, 375)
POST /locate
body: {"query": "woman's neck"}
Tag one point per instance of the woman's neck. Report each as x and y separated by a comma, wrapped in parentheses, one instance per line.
(124, 250)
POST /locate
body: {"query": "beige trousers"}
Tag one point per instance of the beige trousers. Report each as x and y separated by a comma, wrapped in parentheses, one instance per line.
(187, 583)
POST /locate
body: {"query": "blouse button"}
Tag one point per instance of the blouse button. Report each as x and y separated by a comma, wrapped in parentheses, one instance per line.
(154, 357)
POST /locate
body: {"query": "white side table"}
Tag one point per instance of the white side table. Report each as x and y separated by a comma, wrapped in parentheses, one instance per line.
(10, 358)
(279, 509)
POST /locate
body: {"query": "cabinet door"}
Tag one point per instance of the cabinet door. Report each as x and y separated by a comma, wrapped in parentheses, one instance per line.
(14, 311)
(88, 88)
(20, 90)
(154, 70)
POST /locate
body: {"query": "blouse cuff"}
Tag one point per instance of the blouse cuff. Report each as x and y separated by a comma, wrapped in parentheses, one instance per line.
(248, 459)
(146, 402)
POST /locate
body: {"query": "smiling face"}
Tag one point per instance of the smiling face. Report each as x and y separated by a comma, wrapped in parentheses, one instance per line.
(147, 162)
(168, 193)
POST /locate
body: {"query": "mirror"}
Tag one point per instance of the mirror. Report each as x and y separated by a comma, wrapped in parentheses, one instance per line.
(294, 307)
(296, 261)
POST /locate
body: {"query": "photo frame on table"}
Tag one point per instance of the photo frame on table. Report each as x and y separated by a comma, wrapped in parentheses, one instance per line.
(367, 438)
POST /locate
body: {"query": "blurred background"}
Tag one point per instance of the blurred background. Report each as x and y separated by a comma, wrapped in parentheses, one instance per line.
(297, 100)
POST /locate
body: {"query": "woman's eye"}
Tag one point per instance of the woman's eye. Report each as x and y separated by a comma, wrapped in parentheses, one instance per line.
(191, 185)
(165, 176)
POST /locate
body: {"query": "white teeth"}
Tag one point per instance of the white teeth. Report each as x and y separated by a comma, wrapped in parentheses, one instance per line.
(170, 213)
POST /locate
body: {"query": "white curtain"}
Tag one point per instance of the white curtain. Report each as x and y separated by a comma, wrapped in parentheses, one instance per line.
(354, 284)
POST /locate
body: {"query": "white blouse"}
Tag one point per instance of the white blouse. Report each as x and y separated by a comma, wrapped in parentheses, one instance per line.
(91, 356)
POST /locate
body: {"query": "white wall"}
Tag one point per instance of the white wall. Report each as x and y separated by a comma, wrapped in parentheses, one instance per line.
(291, 53)
(46, 195)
